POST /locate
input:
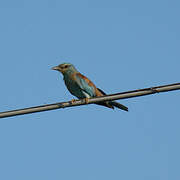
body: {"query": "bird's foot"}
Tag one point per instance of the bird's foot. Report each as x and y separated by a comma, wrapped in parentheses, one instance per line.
(73, 101)
(86, 100)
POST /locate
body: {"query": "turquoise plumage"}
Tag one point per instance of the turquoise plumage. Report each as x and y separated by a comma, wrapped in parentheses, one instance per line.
(81, 87)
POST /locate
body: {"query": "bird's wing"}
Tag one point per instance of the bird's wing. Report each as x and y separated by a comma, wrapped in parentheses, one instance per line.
(85, 84)
(101, 91)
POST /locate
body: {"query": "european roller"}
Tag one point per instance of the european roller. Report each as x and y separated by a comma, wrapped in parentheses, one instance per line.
(81, 87)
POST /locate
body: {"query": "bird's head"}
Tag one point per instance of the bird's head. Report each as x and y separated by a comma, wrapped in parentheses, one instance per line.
(65, 68)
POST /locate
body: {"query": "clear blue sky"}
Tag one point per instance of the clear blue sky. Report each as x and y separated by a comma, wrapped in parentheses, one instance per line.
(120, 46)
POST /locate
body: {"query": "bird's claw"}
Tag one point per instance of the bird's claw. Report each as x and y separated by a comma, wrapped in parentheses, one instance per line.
(86, 100)
(73, 101)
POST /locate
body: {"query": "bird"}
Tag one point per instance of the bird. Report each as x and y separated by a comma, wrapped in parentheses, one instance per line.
(83, 88)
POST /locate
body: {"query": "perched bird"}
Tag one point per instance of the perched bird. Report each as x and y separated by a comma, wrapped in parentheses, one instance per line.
(81, 87)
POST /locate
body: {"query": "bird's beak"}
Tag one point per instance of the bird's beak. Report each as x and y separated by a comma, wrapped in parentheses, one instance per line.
(55, 68)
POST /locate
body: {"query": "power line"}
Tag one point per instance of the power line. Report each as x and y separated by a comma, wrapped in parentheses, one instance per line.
(122, 95)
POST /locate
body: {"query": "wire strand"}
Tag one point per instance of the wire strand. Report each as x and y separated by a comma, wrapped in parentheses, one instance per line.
(121, 95)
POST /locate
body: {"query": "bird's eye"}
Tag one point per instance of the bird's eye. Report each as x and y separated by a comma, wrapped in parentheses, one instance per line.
(65, 66)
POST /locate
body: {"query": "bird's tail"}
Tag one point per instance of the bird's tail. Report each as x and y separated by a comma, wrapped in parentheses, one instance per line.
(111, 104)
(118, 105)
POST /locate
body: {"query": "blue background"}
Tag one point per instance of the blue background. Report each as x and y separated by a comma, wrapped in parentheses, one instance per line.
(120, 46)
